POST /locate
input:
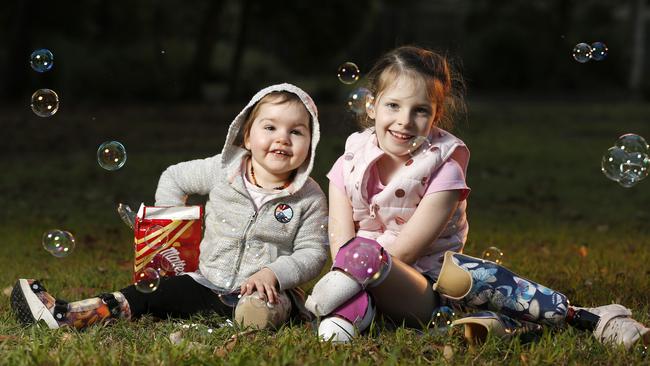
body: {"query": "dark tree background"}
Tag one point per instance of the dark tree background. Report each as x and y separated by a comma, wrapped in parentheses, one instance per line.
(221, 50)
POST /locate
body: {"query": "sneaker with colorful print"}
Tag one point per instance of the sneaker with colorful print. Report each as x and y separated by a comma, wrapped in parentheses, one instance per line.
(31, 303)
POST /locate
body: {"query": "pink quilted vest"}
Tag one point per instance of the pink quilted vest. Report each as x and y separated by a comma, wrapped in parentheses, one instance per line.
(381, 217)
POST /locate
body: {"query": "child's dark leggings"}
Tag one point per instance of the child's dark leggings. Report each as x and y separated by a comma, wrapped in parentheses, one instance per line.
(176, 297)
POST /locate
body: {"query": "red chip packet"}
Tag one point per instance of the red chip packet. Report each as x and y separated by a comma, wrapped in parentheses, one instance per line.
(167, 239)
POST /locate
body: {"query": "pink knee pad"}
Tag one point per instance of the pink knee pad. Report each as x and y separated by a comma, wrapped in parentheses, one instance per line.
(356, 310)
(363, 259)
(348, 320)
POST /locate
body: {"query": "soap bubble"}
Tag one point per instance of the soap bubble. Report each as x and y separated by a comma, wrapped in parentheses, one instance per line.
(493, 254)
(599, 51)
(230, 299)
(625, 168)
(41, 60)
(147, 281)
(111, 155)
(582, 52)
(360, 100)
(45, 102)
(632, 143)
(161, 264)
(331, 228)
(612, 161)
(59, 243)
(418, 143)
(156, 237)
(634, 169)
(442, 318)
(363, 262)
(348, 73)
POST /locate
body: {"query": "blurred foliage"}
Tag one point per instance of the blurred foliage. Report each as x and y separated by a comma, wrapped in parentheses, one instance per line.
(148, 49)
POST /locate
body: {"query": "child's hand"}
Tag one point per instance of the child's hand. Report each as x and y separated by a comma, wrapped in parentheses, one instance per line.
(264, 282)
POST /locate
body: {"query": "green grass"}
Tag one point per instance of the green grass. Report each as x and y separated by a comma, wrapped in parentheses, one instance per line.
(537, 193)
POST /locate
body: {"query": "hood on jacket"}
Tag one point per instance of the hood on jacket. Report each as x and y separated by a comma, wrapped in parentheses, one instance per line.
(232, 153)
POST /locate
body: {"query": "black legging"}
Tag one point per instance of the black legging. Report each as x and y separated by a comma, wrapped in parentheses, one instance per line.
(176, 297)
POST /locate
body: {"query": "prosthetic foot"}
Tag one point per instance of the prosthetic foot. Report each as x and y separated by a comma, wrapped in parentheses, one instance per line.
(610, 324)
(479, 325)
(254, 311)
(31, 303)
(348, 320)
(359, 263)
(485, 285)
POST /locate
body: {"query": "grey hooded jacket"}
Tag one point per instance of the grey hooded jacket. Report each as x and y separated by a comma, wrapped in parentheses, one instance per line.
(287, 234)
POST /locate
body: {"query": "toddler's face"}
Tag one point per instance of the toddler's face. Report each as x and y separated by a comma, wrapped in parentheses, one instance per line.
(280, 137)
(401, 112)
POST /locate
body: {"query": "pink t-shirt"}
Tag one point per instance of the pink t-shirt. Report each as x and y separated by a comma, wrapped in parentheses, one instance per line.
(450, 176)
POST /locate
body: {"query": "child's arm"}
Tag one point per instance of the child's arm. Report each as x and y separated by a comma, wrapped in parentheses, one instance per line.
(428, 221)
(341, 224)
(190, 177)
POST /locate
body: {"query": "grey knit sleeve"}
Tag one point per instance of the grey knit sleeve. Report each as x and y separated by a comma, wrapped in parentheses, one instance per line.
(310, 250)
(189, 177)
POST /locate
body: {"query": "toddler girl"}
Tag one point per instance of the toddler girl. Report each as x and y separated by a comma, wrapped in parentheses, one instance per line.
(262, 236)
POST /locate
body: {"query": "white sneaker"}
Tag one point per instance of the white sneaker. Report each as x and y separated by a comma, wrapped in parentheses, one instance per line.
(616, 326)
(336, 330)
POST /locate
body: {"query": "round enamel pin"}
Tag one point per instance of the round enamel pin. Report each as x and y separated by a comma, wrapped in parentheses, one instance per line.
(283, 213)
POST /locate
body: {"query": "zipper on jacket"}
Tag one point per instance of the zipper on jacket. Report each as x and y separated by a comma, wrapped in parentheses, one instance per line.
(242, 243)
(251, 220)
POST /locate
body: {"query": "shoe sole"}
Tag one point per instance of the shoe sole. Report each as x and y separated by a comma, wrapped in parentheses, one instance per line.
(28, 307)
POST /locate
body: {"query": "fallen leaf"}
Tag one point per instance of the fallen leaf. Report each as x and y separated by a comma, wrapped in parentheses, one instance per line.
(7, 291)
(524, 359)
(602, 228)
(176, 337)
(583, 251)
(7, 338)
(230, 344)
(128, 264)
(448, 352)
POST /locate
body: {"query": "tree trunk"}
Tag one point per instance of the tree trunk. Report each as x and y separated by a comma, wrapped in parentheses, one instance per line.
(238, 54)
(20, 43)
(164, 81)
(638, 48)
(203, 50)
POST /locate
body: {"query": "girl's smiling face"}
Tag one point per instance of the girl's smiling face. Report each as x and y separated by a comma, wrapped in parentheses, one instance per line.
(402, 111)
(279, 138)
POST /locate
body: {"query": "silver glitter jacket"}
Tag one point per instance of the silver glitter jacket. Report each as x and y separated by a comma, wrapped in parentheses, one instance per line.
(287, 234)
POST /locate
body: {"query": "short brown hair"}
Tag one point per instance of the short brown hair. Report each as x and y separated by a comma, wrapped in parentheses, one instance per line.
(444, 85)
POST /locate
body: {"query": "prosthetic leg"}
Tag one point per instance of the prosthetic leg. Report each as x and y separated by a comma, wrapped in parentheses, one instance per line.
(340, 294)
(31, 303)
(485, 285)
